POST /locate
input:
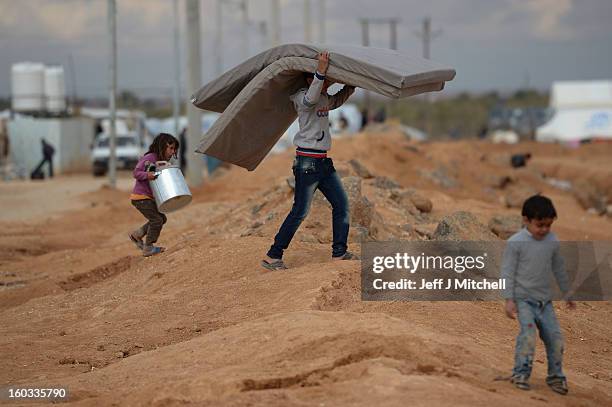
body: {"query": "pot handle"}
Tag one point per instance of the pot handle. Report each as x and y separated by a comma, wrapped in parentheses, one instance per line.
(161, 164)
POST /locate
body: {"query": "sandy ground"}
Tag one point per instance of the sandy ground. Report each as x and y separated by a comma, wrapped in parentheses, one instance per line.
(204, 324)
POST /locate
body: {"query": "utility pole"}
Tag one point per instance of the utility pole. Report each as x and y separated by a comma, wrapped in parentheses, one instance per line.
(219, 38)
(365, 32)
(263, 33)
(426, 35)
(365, 40)
(74, 83)
(194, 81)
(307, 22)
(275, 39)
(322, 17)
(245, 29)
(393, 33)
(177, 68)
(112, 67)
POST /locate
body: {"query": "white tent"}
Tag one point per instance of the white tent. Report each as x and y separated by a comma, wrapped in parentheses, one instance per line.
(583, 111)
(574, 125)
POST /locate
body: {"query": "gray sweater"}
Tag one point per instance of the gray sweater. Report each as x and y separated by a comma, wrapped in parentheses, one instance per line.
(529, 264)
(313, 110)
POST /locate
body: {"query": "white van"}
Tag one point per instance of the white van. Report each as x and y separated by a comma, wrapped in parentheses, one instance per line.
(128, 152)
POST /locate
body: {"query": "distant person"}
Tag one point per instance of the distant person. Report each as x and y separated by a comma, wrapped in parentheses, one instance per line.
(182, 149)
(312, 168)
(520, 160)
(483, 132)
(364, 118)
(163, 148)
(47, 152)
(343, 123)
(531, 259)
(380, 116)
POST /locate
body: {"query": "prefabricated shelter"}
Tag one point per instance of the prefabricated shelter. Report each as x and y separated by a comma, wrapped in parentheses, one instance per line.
(70, 137)
(582, 111)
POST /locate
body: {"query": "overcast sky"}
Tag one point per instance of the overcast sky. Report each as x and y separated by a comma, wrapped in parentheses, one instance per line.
(493, 44)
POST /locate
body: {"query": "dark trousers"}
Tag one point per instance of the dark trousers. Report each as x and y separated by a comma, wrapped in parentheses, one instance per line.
(312, 174)
(45, 160)
(155, 218)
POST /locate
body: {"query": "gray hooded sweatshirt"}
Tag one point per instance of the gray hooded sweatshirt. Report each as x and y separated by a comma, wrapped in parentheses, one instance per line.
(313, 113)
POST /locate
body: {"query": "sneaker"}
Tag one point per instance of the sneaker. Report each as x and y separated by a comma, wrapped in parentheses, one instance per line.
(558, 385)
(151, 250)
(520, 382)
(138, 242)
(347, 256)
(277, 264)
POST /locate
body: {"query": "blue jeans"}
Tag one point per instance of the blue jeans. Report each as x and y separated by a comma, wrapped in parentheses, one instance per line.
(540, 314)
(310, 174)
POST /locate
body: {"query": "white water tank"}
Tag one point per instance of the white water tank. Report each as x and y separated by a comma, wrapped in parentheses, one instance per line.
(55, 89)
(28, 86)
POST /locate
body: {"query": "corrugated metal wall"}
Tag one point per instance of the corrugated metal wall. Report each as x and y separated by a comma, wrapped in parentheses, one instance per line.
(71, 138)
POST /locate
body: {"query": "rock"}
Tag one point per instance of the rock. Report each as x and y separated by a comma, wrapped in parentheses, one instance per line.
(407, 227)
(352, 186)
(412, 148)
(505, 226)
(497, 181)
(439, 176)
(518, 194)
(256, 208)
(385, 183)
(308, 238)
(291, 182)
(588, 196)
(357, 234)
(360, 169)
(426, 230)
(460, 226)
(422, 203)
(412, 199)
(343, 169)
(362, 212)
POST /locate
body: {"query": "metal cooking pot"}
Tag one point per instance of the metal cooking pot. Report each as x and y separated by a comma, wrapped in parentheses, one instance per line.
(169, 188)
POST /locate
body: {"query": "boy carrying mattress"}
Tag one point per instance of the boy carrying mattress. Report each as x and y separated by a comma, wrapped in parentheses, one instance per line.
(312, 168)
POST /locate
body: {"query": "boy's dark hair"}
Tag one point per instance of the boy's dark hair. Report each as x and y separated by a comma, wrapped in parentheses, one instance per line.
(160, 142)
(308, 75)
(539, 207)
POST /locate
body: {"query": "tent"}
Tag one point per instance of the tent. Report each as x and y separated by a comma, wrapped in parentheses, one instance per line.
(253, 97)
(575, 125)
(583, 111)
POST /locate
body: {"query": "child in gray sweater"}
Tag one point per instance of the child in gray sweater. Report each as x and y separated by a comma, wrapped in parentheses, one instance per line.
(531, 258)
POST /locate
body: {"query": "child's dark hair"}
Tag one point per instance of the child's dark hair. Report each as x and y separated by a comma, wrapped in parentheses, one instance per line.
(158, 146)
(539, 207)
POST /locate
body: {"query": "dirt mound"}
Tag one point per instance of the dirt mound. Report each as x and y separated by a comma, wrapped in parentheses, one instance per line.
(204, 324)
(462, 226)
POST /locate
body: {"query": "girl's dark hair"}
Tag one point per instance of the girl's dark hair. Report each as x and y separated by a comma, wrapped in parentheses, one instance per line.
(158, 146)
(539, 207)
